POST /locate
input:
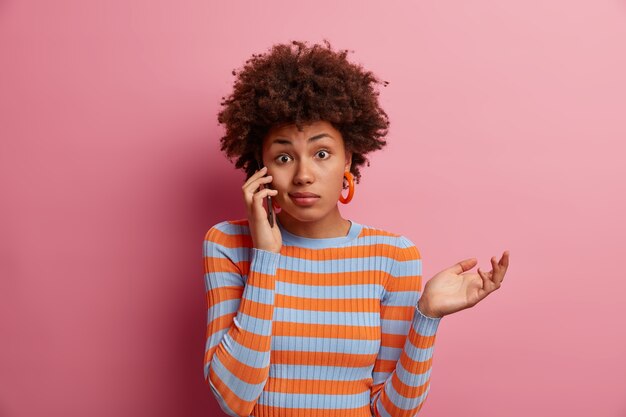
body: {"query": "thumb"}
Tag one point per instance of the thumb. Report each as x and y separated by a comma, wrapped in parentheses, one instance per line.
(464, 265)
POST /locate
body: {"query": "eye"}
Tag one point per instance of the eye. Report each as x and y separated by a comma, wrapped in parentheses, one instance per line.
(324, 153)
(281, 158)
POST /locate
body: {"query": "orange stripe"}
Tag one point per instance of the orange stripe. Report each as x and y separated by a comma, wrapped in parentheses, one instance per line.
(410, 253)
(338, 331)
(229, 241)
(220, 294)
(407, 283)
(215, 264)
(250, 340)
(407, 390)
(287, 357)
(261, 280)
(268, 410)
(367, 305)
(369, 231)
(257, 310)
(383, 365)
(420, 341)
(395, 411)
(415, 367)
(244, 372)
(397, 313)
(220, 323)
(362, 251)
(393, 340)
(307, 386)
(235, 403)
(329, 279)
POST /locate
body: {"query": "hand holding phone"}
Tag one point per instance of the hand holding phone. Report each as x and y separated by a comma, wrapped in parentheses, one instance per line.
(264, 231)
(270, 208)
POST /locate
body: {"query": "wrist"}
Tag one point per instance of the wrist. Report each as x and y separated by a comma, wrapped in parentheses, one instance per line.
(424, 308)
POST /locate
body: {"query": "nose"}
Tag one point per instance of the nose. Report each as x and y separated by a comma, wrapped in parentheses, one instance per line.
(304, 174)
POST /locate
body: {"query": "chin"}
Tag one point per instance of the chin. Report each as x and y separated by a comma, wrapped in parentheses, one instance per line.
(303, 214)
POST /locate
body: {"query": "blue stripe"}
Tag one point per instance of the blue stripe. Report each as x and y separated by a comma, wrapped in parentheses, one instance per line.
(378, 240)
(314, 401)
(408, 268)
(223, 279)
(381, 408)
(325, 317)
(254, 325)
(244, 355)
(315, 372)
(418, 354)
(330, 291)
(322, 344)
(258, 294)
(222, 308)
(401, 298)
(400, 327)
(214, 339)
(245, 391)
(221, 401)
(398, 240)
(401, 401)
(389, 353)
(427, 325)
(232, 229)
(411, 379)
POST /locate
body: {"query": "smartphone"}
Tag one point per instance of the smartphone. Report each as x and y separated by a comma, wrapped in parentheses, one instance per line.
(270, 208)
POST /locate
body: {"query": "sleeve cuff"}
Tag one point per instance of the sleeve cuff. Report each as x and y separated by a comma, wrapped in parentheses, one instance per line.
(263, 261)
(425, 325)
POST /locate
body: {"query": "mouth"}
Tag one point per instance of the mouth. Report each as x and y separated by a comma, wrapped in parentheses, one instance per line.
(304, 199)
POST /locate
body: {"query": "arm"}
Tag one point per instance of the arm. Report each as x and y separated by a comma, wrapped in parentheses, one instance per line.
(239, 320)
(401, 375)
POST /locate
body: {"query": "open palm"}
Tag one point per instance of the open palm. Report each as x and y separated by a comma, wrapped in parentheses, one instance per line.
(455, 289)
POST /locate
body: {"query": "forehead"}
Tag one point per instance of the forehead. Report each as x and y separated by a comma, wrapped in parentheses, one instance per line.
(290, 132)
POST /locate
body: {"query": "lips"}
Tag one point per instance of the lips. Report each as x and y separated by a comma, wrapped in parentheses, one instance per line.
(303, 195)
(304, 199)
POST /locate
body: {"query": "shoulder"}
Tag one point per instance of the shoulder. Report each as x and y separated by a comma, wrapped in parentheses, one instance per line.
(229, 234)
(400, 246)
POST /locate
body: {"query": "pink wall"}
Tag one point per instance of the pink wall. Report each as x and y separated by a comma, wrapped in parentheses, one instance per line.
(508, 128)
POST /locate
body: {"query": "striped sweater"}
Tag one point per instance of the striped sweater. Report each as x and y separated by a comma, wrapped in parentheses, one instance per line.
(325, 328)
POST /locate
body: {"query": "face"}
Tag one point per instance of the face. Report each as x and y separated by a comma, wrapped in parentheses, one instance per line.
(312, 161)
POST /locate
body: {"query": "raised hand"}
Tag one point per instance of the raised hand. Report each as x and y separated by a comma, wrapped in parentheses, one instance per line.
(263, 235)
(454, 289)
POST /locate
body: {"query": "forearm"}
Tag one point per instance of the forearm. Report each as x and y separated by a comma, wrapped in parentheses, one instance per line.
(239, 367)
(406, 389)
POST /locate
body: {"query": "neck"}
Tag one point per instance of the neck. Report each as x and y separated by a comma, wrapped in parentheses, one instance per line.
(332, 225)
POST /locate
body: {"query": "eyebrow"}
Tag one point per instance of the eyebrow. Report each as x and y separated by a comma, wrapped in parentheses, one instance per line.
(283, 141)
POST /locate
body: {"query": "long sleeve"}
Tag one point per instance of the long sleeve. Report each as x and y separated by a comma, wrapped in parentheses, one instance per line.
(239, 319)
(401, 374)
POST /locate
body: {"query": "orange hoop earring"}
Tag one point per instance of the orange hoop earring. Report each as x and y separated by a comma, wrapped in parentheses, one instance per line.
(345, 200)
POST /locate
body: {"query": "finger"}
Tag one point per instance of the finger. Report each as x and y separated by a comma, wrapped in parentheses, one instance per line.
(254, 186)
(498, 273)
(257, 174)
(494, 264)
(487, 277)
(484, 277)
(500, 268)
(259, 197)
(464, 265)
(504, 261)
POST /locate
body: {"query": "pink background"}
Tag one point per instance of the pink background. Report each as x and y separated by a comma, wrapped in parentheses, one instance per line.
(508, 129)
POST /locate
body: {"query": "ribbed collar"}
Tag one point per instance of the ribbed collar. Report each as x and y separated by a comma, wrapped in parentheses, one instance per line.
(320, 243)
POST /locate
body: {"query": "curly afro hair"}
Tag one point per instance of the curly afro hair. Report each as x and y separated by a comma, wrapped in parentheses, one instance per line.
(298, 84)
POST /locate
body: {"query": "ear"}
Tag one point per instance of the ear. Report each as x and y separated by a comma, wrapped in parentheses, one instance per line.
(348, 161)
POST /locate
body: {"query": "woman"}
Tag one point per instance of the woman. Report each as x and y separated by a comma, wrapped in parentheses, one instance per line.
(310, 313)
